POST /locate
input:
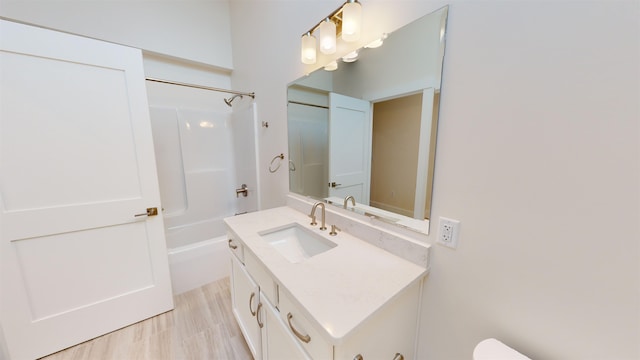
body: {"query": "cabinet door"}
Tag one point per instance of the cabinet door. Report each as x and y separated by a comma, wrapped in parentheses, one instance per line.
(278, 341)
(392, 330)
(296, 322)
(245, 297)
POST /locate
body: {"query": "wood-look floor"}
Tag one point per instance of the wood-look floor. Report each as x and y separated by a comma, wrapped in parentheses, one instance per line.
(200, 327)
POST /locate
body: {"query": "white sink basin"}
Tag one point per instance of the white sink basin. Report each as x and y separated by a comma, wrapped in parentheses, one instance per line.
(295, 242)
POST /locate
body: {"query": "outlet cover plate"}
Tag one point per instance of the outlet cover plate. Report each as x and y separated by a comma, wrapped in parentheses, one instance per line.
(448, 230)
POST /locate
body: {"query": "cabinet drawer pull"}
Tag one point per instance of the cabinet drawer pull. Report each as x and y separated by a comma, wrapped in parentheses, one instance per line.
(231, 245)
(253, 313)
(305, 338)
(261, 324)
(398, 357)
(358, 357)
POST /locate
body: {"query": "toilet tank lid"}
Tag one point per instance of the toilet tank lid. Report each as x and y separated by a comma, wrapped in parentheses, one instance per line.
(492, 349)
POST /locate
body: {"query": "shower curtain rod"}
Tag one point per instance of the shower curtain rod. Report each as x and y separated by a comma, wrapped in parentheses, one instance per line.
(252, 95)
(306, 104)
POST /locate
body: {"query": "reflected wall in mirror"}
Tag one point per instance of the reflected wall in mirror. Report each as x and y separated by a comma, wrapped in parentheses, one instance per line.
(368, 129)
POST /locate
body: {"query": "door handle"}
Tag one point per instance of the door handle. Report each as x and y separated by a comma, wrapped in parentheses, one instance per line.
(333, 184)
(150, 212)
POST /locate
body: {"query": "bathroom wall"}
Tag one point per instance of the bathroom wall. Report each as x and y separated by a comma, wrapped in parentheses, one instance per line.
(537, 151)
(394, 168)
(186, 41)
(537, 156)
(192, 30)
(420, 65)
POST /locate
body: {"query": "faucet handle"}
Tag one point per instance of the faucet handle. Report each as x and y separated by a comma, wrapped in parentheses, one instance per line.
(334, 230)
(313, 220)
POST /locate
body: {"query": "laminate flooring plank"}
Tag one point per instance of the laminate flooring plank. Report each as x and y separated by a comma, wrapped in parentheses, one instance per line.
(200, 327)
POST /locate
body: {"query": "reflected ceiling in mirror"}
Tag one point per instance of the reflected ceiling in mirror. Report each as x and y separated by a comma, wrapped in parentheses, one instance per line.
(368, 129)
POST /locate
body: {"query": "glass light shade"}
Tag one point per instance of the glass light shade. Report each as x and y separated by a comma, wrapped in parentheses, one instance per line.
(351, 21)
(308, 49)
(350, 57)
(331, 66)
(376, 43)
(327, 37)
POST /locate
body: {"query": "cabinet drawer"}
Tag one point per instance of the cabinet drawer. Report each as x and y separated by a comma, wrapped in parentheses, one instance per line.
(261, 276)
(236, 247)
(316, 345)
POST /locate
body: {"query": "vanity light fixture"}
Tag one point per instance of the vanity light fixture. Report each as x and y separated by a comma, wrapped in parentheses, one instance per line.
(345, 21)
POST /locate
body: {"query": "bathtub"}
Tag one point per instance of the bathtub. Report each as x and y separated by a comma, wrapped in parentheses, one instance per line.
(197, 253)
(199, 263)
(201, 155)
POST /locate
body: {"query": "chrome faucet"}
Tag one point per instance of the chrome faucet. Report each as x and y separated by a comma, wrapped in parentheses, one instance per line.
(353, 201)
(312, 215)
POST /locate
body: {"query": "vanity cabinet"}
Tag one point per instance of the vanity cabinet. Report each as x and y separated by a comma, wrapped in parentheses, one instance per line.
(259, 321)
(276, 327)
(245, 300)
(388, 334)
(251, 291)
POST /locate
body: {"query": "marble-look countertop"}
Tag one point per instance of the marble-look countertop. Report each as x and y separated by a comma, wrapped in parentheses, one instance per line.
(338, 289)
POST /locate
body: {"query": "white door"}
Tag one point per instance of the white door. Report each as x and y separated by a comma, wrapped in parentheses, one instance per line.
(76, 165)
(349, 147)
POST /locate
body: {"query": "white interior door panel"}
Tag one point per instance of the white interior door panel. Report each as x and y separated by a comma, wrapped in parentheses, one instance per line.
(349, 147)
(76, 166)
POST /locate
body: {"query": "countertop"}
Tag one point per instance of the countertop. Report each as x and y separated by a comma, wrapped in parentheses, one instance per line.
(338, 289)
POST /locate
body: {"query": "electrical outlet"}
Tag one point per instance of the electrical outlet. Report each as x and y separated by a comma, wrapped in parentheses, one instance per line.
(448, 232)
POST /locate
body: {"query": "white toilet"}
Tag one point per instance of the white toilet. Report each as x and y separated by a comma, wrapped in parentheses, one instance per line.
(492, 349)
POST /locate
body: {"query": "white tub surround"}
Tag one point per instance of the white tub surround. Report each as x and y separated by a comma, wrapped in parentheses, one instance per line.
(339, 291)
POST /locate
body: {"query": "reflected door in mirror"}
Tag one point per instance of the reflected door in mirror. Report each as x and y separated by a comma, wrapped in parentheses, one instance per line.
(349, 147)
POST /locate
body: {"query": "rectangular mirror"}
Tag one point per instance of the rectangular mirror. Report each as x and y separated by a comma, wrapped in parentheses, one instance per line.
(368, 129)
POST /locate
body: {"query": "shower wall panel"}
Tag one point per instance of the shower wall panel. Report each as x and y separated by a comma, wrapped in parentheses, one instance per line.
(196, 173)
